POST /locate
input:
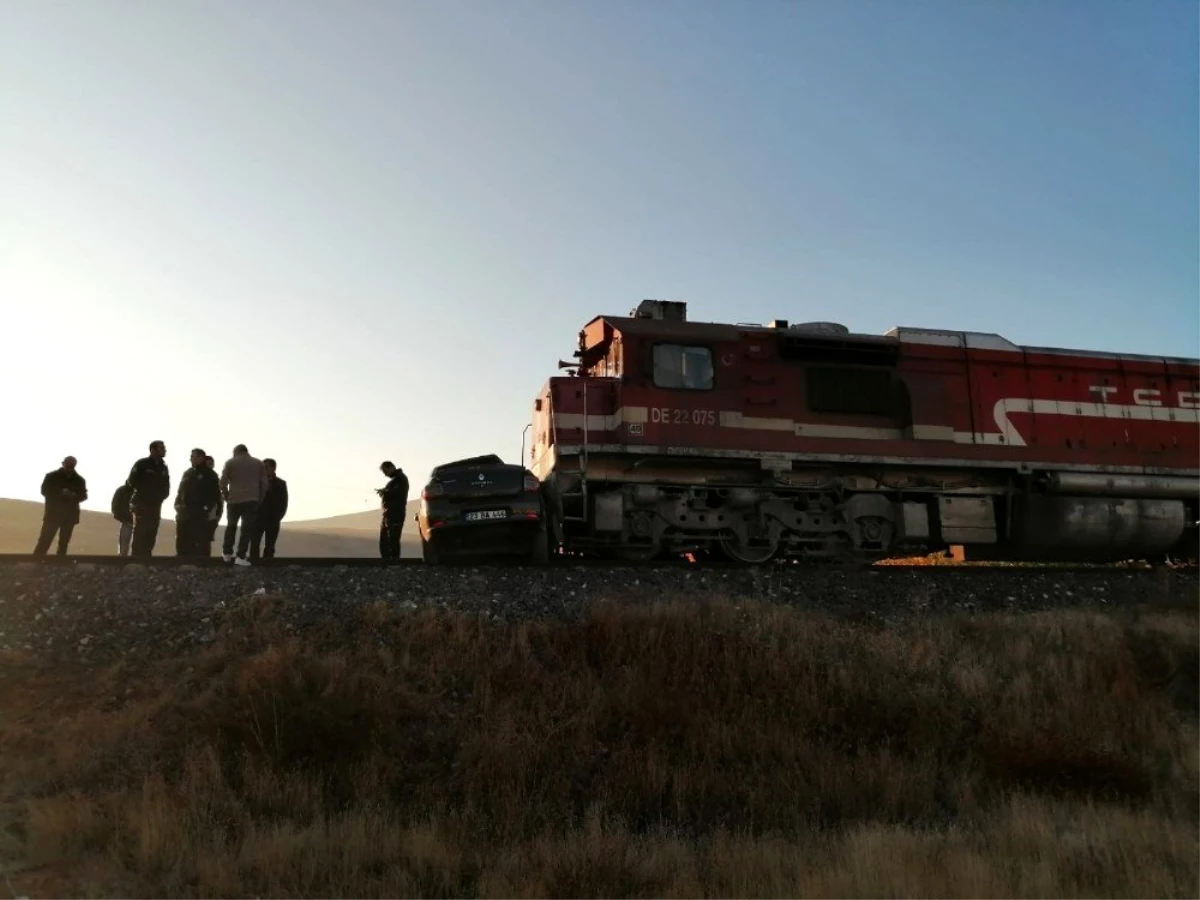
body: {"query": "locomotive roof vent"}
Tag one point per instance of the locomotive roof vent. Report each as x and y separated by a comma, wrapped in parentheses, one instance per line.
(663, 310)
(820, 328)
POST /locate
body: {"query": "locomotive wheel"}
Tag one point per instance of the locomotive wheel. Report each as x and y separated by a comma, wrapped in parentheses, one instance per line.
(749, 553)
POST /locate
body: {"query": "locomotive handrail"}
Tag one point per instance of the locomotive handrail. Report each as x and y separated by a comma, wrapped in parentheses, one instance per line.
(583, 454)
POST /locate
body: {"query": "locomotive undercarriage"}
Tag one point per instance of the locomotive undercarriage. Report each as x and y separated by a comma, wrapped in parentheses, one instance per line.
(855, 515)
(744, 523)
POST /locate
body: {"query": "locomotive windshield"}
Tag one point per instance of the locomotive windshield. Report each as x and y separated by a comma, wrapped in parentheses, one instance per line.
(679, 366)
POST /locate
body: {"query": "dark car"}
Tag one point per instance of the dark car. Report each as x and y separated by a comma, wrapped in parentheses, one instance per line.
(482, 506)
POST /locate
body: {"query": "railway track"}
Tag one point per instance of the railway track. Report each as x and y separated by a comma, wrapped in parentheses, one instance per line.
(942, 570)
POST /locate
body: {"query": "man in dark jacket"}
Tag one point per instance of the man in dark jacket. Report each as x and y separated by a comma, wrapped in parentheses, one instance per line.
(122, 513)
(214, 518)
(394, 497)
(270, 513)
(197, 499)
(64, 489)
(151, 485)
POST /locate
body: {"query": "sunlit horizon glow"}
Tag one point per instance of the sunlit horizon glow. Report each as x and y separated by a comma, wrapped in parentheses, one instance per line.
(343, 235)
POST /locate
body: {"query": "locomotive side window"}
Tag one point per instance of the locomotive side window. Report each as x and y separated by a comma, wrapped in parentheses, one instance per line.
(677, 366)
(862, 392)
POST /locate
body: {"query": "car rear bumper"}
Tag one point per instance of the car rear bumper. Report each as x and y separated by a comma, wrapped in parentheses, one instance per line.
(484, 538)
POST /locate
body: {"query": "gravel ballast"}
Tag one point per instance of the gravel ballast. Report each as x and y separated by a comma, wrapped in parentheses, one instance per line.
(100, 614)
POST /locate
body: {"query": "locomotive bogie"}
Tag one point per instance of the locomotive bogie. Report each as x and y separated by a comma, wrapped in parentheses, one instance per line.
(746, 521)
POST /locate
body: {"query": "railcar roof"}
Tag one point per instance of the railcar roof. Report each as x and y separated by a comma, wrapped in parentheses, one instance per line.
(712, 331)
(974, 340)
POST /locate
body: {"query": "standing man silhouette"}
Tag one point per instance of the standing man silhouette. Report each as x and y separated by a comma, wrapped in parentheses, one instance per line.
(199, 494)
(64, 489)
(270, 513)
(243, 484)
(150, 482)
(394, 498)
(122, 513)
(214, 518)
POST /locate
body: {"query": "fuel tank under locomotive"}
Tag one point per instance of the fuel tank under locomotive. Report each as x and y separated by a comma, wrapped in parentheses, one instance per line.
(1058, 528)
(1086, 517)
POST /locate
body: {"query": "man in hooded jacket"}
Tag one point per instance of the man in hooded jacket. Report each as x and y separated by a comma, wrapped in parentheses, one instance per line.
(64, 489)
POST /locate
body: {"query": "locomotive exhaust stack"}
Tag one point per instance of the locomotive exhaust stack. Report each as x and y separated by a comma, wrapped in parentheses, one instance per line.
(807, 441)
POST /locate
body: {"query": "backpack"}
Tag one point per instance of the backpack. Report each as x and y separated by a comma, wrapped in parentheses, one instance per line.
(120, 503)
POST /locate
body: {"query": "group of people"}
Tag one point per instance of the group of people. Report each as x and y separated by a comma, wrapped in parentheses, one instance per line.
(248, 491)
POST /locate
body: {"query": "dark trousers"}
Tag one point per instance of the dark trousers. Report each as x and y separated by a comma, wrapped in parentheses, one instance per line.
(246, 514)
(191, 537)
(389, 537)
(210, 534)
(51, 526)
(268, 529)
(145, 532)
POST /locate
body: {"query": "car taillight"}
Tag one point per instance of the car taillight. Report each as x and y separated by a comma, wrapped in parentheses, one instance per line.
(432, 490)
(531, 483)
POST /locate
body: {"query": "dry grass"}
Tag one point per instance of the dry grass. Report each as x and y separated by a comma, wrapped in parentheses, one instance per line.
(716, 750)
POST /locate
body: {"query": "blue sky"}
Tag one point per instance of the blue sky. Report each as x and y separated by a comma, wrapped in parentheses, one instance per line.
(345, 232)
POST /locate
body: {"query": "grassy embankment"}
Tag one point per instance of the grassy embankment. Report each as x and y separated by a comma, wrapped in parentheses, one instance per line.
(680, 751)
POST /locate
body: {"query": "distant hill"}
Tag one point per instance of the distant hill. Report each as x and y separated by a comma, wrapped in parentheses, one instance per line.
(96, 534)
(359, 521)
(362, 526)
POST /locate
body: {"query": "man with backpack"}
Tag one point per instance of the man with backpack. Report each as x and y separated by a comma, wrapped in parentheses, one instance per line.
(121, 512)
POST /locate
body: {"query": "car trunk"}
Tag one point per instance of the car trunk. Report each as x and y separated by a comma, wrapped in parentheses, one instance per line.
(489, 481)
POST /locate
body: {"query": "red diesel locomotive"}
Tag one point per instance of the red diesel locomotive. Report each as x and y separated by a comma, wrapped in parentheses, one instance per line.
(808, 441)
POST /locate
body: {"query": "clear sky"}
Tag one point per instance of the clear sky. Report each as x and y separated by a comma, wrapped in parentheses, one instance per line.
(344, 232)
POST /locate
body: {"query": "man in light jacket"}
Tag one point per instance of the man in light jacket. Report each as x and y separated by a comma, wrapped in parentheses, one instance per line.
(243, 485)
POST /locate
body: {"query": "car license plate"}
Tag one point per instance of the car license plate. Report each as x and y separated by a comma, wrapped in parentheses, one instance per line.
(485, 514)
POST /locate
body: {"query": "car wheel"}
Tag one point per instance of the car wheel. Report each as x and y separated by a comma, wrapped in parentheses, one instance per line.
(430, 554)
